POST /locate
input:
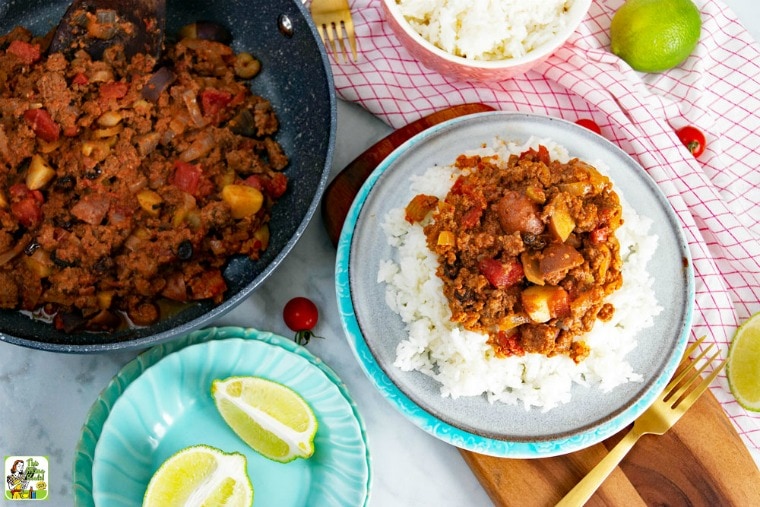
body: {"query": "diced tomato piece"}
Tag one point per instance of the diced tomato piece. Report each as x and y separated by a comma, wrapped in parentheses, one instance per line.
(186, 177)
(542, 155)
(20, 191)
(214, 101)
(277, 185)
(28, 212)
(463, 161)
(501, 274)
(456, 188)
(190, 178)
(26, 52)
(42, 124)
(599, 235)
(471, 218)
(256, 181)
(460, 187)
(238, 99)
(210, 284)
(70, 131)
(508, 344)
(273, 187)
(26, 205)
(113, 90)
(80, 79)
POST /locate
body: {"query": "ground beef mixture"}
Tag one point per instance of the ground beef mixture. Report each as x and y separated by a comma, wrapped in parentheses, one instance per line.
(126, 183)
(527, 250)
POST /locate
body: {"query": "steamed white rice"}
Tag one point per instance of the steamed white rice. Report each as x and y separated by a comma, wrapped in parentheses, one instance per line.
(486, 30)
(461, 360)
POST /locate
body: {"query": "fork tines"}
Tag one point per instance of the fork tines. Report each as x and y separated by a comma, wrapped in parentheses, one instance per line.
(677, 389)
(339, 31)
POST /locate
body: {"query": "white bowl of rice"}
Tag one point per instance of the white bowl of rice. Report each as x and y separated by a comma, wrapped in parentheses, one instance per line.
(483, 41)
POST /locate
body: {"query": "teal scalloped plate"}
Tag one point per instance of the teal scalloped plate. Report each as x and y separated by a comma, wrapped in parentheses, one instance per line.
(373, 330)
(160, 403)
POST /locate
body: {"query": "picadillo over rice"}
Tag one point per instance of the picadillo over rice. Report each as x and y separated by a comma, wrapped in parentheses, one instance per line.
(493, 30)
(462, 361)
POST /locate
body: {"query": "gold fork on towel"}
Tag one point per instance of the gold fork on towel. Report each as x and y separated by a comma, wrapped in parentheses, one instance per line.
(335, 26)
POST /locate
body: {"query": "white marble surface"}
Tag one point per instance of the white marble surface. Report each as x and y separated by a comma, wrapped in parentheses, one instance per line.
(44, 397)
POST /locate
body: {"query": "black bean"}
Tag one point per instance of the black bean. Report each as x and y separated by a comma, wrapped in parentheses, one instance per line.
(94, 173)
(185, 250)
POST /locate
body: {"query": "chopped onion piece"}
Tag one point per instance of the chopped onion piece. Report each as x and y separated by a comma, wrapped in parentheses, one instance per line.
(158, 82)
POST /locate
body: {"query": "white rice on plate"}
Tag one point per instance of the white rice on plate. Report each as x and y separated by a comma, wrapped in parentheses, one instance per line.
(486, 30)
(461, 360)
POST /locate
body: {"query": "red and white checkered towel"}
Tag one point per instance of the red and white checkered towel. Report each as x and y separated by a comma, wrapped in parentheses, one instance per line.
(717, 89)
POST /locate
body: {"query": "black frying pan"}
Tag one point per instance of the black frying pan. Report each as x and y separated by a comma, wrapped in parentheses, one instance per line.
(296, 78)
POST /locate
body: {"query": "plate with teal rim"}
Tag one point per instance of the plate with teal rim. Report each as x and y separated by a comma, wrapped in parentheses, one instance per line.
(160, 403)
(373, 330)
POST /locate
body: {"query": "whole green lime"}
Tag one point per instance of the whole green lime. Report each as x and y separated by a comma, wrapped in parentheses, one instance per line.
(655, 35)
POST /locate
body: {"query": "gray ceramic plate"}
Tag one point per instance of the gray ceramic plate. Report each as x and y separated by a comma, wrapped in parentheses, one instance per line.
(374, 331)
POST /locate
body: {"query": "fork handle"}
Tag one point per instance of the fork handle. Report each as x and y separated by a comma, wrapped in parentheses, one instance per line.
(582, 491)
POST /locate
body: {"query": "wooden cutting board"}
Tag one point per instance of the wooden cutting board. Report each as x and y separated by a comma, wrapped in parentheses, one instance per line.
(701, 461)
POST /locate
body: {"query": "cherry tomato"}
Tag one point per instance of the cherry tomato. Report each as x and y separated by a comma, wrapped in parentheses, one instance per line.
(301, 315)
(693, 139)
(589, 124)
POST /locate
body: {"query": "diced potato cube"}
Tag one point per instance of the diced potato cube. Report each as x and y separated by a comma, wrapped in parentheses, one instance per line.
(559, 258)
(543, 303)
(262, 235)
(39, 263)
(597, 180)
(105, 298)
(39, 173)
(150, 201)
(535, 302)
(446, 238)
(96, 150)
(513, 320)
(561, 223)
(536, 194)
(243, 200)
(227, 178)
(531, 268)
(576, 188)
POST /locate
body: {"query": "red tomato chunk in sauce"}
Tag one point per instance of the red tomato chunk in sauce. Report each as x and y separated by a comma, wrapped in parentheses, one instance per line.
(125, 183)
(527, 250)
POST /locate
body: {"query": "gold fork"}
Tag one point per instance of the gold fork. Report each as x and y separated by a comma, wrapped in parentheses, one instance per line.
(674, 401)
(334, 23)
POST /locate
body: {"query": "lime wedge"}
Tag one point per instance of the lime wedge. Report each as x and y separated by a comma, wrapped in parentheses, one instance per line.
(271, 418)
(743, 366)
(200, 475)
